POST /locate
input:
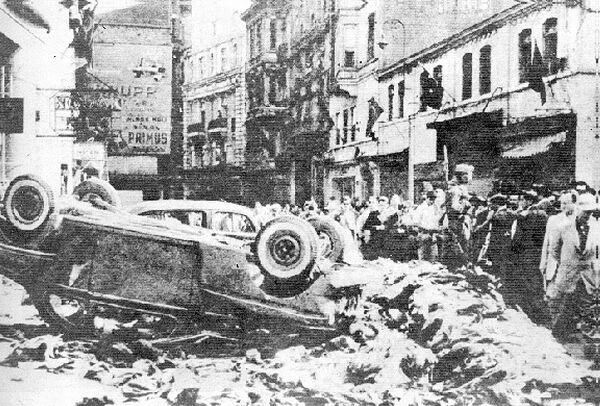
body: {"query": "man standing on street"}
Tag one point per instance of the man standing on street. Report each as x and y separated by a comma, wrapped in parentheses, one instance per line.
(427, 218)
(456, 252)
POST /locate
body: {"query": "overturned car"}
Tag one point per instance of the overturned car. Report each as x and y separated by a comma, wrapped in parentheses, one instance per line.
(82, 256)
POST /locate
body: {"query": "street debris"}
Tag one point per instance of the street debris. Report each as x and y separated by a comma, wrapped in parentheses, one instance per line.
(410, 334)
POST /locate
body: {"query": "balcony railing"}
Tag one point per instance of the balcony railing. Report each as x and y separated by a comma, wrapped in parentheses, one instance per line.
(196, 127)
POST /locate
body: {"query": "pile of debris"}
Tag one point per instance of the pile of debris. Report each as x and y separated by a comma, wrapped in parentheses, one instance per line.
(414, 334)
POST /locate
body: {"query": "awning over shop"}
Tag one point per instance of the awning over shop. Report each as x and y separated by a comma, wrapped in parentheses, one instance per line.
(532, 146)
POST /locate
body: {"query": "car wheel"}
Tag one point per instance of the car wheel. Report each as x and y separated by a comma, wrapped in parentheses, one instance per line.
(28, 212)
(97, 188)
(286, 248)
(28, 202)
(331, 243)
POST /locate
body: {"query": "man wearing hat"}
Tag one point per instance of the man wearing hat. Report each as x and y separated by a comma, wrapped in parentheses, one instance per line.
(457, 206)
(525, 284)
(568, 250)
(499, 251)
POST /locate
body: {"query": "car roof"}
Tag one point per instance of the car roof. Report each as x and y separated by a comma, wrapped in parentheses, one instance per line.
(209, 205)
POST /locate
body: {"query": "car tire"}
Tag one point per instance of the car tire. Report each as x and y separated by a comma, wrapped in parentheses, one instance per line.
(28, 212)
(94, 187)
(331, 242)
(286, 249)
(28, 202)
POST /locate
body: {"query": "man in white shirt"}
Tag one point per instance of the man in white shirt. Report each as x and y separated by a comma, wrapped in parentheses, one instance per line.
(427, 218)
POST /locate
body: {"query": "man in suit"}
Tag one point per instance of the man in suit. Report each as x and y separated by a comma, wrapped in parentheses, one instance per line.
(568, 249)
(548, 265)
(499, 251)
(527, 282)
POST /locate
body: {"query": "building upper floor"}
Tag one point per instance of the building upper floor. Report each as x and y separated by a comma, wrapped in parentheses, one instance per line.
(521, 50)
(218, 42)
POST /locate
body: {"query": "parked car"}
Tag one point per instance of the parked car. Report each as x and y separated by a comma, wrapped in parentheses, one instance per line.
(222, 218)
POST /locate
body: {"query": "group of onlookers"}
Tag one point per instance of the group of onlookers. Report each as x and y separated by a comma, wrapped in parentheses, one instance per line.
(538, 242)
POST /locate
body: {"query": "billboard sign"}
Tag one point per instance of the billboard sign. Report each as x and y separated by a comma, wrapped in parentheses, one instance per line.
(131, 82)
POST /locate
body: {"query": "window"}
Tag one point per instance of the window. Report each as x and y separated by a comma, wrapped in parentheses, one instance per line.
(273, 34)
(371, 37)
(348, 59)
(390, 102)
(424, 80)
(231, 222)
(550, 46)
(524, 54)
(438, 75)
(234, 55)
(337, 129)
(203, 120)
(401, 99)
(224, 66)
(251, 41)
(272, 90)
(467, 69)
(352, 125)
(485, 70)
(190, 73)
(259, 45)
(200, 67)
(212, 64)
(345, 137)
(233, 125)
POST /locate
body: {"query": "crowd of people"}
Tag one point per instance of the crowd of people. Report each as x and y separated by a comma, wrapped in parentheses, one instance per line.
(536, 241)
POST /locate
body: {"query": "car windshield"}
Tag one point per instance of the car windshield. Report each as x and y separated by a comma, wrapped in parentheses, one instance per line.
(231, 223)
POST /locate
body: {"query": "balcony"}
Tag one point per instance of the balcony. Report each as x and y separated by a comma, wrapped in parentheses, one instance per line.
(196, 128)
(266, 57)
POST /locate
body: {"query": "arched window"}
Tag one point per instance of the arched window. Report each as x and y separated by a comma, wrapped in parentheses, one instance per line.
(390, 102)
(467, 70)
(525, 49)
(234, 55)
(550, 45)
(485, 70)
(224, 66)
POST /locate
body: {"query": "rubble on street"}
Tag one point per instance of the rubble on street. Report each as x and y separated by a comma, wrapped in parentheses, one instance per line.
(410, 334)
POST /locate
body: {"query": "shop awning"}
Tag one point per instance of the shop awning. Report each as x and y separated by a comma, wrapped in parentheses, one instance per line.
(532, 146)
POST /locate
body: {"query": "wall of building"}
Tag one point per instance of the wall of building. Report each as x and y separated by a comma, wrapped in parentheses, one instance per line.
(214, 84)
(135, 62)
(41, 66)
(516, 100)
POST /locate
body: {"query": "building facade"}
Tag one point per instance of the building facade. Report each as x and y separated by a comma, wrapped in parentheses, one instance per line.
(214, 95)
(125, 97)
(290, 59)
(37, 74)
(512, 95)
